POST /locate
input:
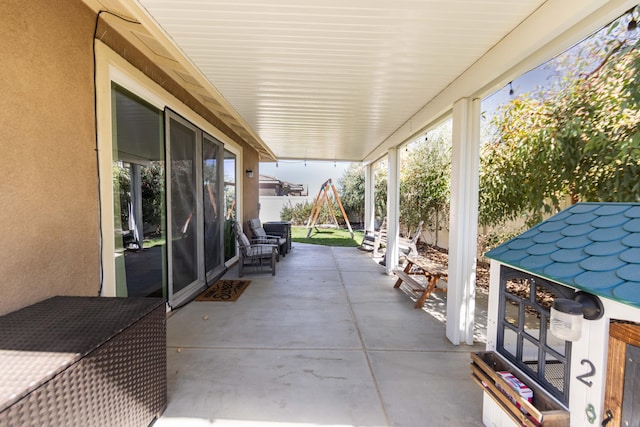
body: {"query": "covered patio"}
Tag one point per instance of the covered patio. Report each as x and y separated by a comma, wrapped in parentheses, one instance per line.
(206, 91)
(327, 341)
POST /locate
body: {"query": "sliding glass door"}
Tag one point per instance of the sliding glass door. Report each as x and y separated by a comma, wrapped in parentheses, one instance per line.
(139, 196)
(230, 206)
(186, 267)
(213, 210)
(195, 189)
(169, 204)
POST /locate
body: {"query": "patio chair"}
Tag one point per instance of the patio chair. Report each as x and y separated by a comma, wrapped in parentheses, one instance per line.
(373, 240)
(406, 246)
(254, 255)
(261, 236)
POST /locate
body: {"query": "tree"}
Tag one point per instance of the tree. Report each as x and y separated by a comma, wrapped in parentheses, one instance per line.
(380, 203)
(579, 139)
(122, 186)
(425, 180)
(351, 189)
(153, 193)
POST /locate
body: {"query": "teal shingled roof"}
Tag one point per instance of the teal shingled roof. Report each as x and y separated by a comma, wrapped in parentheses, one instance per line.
(594, 247)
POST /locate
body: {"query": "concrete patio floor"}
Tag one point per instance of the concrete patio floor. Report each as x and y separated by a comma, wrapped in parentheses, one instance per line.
(326, 342)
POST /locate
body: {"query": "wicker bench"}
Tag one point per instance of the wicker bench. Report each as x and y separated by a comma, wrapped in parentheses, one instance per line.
(84, 361)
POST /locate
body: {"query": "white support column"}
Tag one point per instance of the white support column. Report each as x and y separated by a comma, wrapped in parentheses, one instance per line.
(463, 221)
(369, 198)
(393, 209)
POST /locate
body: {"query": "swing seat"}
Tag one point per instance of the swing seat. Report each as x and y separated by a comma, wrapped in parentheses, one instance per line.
(323, 196)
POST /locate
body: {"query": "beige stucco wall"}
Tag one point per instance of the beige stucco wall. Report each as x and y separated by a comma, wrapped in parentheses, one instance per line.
(48, 179)
(251, 186)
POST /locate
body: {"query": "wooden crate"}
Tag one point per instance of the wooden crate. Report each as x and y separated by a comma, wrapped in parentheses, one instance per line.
(542, 411)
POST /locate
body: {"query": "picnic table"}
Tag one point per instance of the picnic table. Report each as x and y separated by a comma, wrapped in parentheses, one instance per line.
(419, 265)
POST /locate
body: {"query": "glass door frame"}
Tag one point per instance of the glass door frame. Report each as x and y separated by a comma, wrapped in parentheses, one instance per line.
(215, 272)
(112, 68)
(138, 152)
(237, 201)
(181, 296)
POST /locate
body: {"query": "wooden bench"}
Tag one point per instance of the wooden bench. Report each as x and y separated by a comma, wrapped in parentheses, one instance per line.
(418, 265)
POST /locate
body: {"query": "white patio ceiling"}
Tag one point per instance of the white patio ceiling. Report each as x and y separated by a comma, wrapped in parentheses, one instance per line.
(344, 79)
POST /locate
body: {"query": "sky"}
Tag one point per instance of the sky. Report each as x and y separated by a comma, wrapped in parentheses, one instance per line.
(527, 82)
(311, 174)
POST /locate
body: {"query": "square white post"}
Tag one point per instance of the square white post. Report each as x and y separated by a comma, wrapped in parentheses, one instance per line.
(463, 220)
(393, 209)
(369, 198)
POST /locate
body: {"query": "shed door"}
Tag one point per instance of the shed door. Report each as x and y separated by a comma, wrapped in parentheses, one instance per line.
(623, 376)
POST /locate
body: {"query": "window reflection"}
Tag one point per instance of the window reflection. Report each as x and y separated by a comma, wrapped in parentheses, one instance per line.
(213, 220)
(229, 204)
(139, 196)
(184, 212)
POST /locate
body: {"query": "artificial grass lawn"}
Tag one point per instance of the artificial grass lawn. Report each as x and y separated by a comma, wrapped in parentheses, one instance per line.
(155, 241)
(327, 236)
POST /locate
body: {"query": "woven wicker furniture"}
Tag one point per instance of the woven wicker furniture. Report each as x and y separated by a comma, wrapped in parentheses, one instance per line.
(261, 236)
(281, 229)
(255, 257)
(83, 361)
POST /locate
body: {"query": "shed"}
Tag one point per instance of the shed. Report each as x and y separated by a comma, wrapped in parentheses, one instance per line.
(589, 249)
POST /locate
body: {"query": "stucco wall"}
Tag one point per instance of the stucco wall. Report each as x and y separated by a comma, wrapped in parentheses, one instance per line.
(251, 186)
(48, 179)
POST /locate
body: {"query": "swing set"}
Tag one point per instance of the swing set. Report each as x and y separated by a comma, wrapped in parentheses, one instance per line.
(324, 195)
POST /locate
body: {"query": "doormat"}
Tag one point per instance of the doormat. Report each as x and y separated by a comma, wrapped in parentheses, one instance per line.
(224, 290)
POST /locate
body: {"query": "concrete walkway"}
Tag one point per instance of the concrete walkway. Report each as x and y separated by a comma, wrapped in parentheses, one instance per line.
(326, 342)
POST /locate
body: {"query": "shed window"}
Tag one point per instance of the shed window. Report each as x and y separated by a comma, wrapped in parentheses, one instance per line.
(524, 336)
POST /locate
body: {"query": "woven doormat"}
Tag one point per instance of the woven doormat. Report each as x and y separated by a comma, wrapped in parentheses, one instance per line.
(224, 290)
